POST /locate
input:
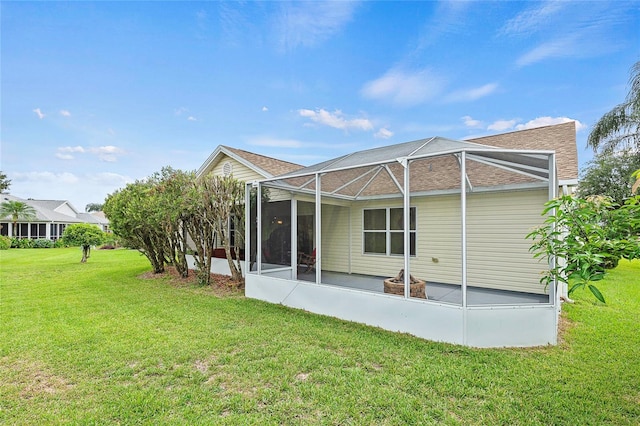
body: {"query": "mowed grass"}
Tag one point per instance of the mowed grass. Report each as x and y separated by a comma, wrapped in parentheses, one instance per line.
(97, 343)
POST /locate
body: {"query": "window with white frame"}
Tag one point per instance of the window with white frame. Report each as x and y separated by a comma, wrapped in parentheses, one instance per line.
(383, 231)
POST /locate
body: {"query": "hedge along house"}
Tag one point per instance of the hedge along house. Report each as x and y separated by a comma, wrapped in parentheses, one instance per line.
(468, 206)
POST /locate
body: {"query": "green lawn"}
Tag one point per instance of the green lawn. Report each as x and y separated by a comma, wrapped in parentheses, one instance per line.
(95, 343)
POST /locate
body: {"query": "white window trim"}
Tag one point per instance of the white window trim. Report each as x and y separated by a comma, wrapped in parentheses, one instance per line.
(388, 231)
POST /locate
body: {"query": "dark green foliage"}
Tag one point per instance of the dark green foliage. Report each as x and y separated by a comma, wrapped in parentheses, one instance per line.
(5, 243)
(43, 243)
(586, 236)
(620, 127)
(84, 235)
(150, 216)
(21, 242)
(4, 182)
(609, 174)
(17, 211)
(93, 207)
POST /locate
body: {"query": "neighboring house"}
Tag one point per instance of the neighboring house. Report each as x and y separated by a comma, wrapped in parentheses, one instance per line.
(246, 167)
(96, 218)
(52, 217)
(469, 205)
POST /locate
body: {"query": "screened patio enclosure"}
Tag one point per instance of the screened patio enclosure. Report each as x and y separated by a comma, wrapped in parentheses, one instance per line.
(424, 237)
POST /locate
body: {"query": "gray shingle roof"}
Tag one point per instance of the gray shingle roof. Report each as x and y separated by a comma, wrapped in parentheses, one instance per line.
(492, 161)
(45, 210)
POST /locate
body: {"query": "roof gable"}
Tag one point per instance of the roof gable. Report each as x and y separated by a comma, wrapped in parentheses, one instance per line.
(560, 138)
(265, 166)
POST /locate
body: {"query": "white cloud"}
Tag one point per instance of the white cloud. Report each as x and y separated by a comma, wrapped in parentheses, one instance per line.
(65, 113)
(45, 177)
(558, 48)
(336, 119)
(472, 94)
(107, 178)
(71, 149)
(405, 88)
(180, 111)
(275, 143)
(265, 109)
(502, 125)
(383, 133)
(192, 118)
(530, 20)
(470, 122)
(108, 153)
(308, 24)
(548, 121)
(39, 113)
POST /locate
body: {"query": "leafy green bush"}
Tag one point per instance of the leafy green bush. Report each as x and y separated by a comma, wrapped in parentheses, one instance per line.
(43, 243)
(586, 236)
(5, 243)
(84, 235)
(21, 242)
(59, 243)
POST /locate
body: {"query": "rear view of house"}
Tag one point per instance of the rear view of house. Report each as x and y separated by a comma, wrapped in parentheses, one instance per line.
(448, 215)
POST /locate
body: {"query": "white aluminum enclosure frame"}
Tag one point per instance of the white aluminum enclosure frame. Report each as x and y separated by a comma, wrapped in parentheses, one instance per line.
(477, 326)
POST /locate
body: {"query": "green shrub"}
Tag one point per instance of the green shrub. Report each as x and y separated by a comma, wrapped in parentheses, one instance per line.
(25, 243)
(59, 243)
(43, 243)
(5, 243)
(15, 242)
(587, 236)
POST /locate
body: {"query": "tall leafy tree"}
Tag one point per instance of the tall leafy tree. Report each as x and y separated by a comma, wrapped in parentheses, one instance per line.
(609, 174)
(84, 235)
(201, 225)
(620, 127)
(18, 211)
(4, 182)
(170, 185)
(134, 215)
(93, 207)
(227, 206)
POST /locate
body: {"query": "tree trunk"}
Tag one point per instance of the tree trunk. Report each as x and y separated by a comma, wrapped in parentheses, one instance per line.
(85, 253)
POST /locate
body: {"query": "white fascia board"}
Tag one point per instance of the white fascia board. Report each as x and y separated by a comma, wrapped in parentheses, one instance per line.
(223, 150)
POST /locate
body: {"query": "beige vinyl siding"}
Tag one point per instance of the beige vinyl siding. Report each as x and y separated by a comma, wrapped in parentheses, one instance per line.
(437, 237)
(239, 170)
(438, 252)
(335, 238)
(497, 251)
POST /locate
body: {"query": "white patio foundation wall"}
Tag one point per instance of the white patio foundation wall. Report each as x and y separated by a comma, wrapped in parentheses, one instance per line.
(499, 326)
(218, 266)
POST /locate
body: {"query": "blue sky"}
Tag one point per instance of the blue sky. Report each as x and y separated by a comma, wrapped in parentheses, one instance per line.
(98, 94)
